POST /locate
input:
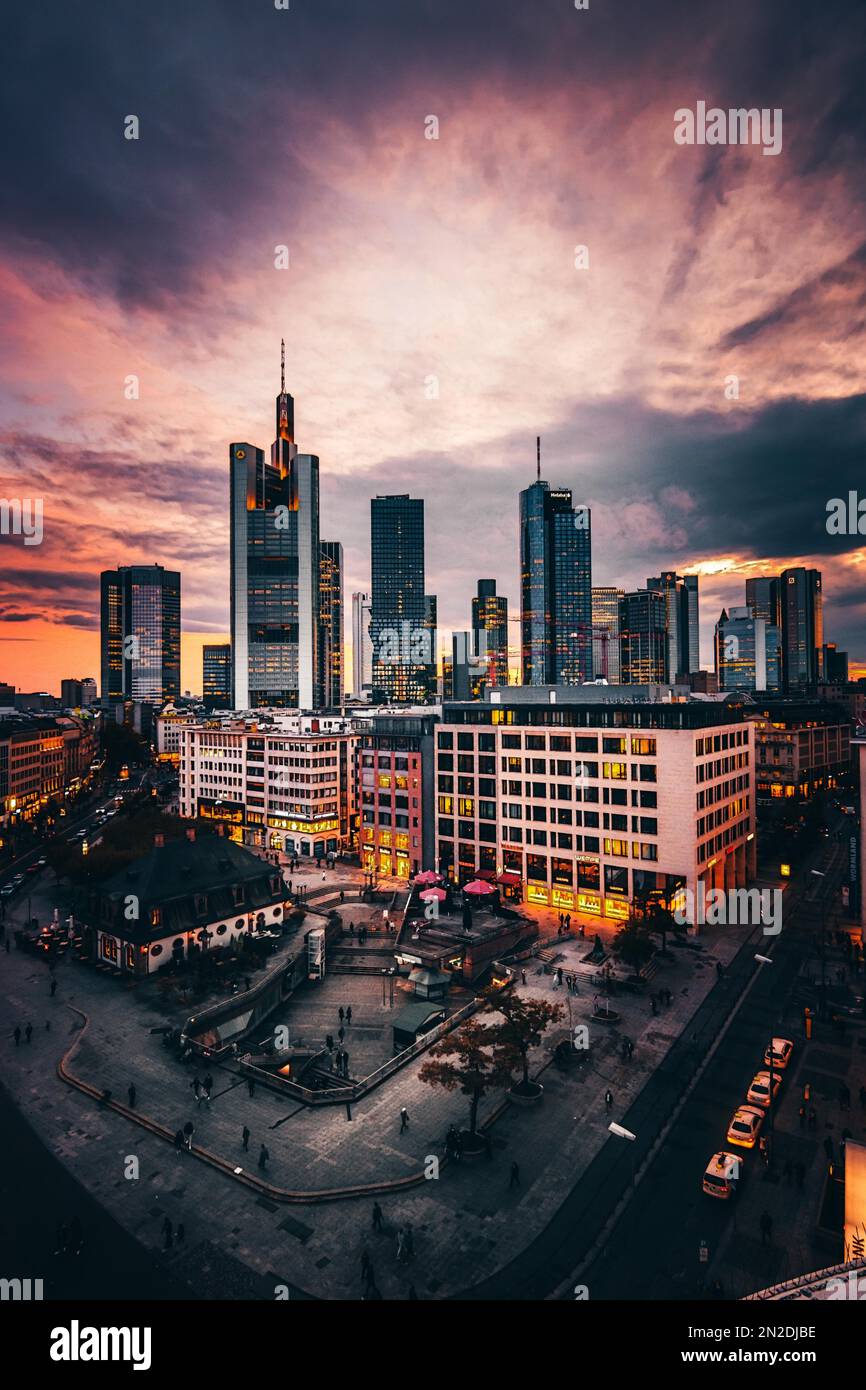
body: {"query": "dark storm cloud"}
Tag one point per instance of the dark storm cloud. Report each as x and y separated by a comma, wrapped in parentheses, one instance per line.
(230, 94)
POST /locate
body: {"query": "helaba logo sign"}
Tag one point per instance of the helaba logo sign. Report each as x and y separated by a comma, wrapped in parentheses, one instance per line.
(77, 1343)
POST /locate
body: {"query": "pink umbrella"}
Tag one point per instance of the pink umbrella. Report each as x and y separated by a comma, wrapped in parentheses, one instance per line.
(478, 886)
(428, 876)
(430, 894)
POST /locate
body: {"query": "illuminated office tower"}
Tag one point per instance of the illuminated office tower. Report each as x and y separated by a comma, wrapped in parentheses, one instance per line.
(140, 633)
(331, 629)
(605, 634)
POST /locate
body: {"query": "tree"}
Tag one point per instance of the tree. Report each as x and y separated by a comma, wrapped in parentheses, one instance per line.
(632, 944)
(463, 1061)
(524, 1022)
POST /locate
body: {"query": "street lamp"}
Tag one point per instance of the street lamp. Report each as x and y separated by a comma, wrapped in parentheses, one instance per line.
(620, 1132)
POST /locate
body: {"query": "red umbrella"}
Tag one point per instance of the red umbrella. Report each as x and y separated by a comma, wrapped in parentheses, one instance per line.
(477, 887)
(428, 876)
(430, 893)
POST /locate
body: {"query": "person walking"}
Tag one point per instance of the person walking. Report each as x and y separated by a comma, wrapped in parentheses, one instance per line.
(28, 1031)
(196, 1089)
(178, 1142)
(251, 1085)
(404, 1119)
(208, 1087)
(263, 1157)
(341, 1015)
(377, 1217)
(341, 1032)
(189, 1131)
(608, 1098)
(766, 1224)
(514, 1177)
(245, 1139)
(131, 1093)
(349, 1015)
(17, 1035)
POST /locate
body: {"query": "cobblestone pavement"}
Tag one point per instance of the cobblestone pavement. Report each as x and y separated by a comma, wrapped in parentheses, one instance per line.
(466, 1224)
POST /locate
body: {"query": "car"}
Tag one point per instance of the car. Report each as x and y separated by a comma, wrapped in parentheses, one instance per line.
(17, 880)
(32, 869)
(7, 891)
(781, 1050)
(722, 1175)
(40, 863)
(745, 1126)
(759, 1091)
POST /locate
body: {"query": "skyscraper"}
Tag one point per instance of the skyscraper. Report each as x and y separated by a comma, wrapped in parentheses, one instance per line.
(605, 634)
(643, 637)
(275, 570)
(681, 620)
(402, 621)
(362, 646)
(216, 675)
(741, 650)
(140, 633)
(490, 629)
(331, 617)
(555, 586)
(762, 596)
(801, 602)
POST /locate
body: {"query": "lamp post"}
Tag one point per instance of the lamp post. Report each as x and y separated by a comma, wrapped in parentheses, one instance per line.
(620, 1132)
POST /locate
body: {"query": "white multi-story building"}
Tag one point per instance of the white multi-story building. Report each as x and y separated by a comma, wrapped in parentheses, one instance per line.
(279, 781)
(587, 806)
(362, 646)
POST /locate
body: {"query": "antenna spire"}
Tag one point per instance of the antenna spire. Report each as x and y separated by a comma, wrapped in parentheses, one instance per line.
(282, 366)
(538, 457)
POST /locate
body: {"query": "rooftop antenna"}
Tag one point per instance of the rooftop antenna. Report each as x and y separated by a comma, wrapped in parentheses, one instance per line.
(282, 366)
(538, 457)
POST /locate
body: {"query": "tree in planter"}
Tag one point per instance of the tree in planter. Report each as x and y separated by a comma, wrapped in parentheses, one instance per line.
(633, 945)
(524, 1022)
(660, 920)
(463, 1061)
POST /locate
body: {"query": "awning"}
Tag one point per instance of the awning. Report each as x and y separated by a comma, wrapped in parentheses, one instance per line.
(509, 879)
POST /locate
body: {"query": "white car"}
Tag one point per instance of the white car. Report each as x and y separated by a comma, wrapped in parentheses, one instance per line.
(781, 1049)
(745, 1126)
(722, 1175)
(759, 1091)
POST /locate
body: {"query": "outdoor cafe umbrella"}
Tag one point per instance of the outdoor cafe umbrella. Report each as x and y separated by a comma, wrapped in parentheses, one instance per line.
(429, 876)
(431, 894)
(478, 887)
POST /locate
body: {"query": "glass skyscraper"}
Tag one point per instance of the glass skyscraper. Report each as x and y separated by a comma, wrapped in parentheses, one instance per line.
(643, 637)
(682, 622)
(216, 661)
(802, 604)
(402, 616)
(490, 630)
(275, 562)
(555, 587)
(741, 650)
(140, 633)
(331, 627)
(605, 634)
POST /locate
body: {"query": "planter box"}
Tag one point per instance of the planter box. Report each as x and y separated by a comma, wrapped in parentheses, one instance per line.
(521, 1099)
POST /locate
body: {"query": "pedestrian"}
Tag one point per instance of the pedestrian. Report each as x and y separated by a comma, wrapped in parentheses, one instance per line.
(720, 969)
(178, 1142)
(263, 1157)
(568, 921)
(401, 1246)
(53, 990)
(341, 1015)
(404, 1119)
(342, 896)
(17, 1035)
(208, 1087)
(189, 1131)
(366, 1266)
(245, 1139)
(341, 1033)
(523, 977)
(349, 1015)
(766, 1227)
(131, 1093)
(608, 1098)
(251, 1085)
(28, 1031)
(514, 1178)
(377, 1217)
(329, 1041)
(196, 1089)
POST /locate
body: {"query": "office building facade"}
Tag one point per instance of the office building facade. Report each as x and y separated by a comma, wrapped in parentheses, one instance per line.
(802, 611)
(741, 650)
(403, 617)
(331, 678)
(555, 587)
(605, 634)
(490, 629)
(643, 637)
(681, 622)
(362, 647)
(275, 563)
(140, 634)
(216, 675)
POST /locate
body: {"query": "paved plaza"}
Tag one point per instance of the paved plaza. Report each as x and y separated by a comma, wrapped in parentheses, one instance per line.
(295, 1227)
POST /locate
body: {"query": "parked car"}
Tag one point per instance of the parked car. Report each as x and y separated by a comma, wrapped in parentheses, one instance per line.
(722, 1175)
(745, 1126)
(781, 1049)
(759, 1091)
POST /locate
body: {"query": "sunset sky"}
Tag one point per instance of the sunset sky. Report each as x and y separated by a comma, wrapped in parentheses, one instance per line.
(413, 258)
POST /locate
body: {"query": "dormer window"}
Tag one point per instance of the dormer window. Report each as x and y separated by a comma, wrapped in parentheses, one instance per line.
(156, 916)
(238, 894)
(200, 904)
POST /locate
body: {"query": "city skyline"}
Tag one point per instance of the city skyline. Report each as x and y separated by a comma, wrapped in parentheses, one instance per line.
(463, 325)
